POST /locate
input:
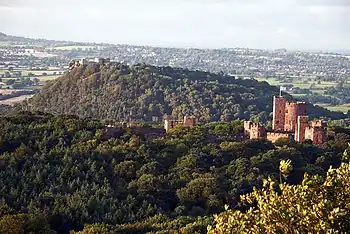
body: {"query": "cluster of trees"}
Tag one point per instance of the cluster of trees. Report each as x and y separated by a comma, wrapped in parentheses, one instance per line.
(141, 91)
(339, 92)
(336, 95)
(61, 173)
(22, 82)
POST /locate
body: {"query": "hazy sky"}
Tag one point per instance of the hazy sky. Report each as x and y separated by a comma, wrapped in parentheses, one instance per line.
(292, 24)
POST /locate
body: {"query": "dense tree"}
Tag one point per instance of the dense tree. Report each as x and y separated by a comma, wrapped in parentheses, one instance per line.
(141, 91)
(65, 173)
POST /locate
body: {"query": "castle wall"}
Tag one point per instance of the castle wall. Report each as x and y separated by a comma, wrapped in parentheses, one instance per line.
(302, 124)
(274, 136)
(279, 106)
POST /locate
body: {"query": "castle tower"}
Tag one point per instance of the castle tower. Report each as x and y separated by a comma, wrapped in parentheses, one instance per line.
(293, 110)
(189, 121)
(247, 127)
(316, 134)
(302, 124)
(169, 124)
(257, 131)
(279, 106)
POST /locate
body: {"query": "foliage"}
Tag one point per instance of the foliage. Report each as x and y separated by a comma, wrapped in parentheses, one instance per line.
(75, 176)
(317, 205)
(142, 91)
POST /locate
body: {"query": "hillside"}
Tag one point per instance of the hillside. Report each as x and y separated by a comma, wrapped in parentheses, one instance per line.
(141, 91)
(61, 173)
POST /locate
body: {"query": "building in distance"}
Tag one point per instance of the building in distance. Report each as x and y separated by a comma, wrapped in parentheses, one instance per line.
(289, 121)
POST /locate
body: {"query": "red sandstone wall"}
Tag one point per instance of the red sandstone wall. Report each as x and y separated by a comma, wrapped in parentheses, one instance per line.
(279, 105)
(301, 109)
(318, 136)
(290, 116)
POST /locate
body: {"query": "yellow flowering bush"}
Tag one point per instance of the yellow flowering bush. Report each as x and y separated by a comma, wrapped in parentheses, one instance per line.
(317, 205)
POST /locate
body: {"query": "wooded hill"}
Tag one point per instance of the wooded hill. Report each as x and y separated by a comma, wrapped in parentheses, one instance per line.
(139, 92)
(61, 173)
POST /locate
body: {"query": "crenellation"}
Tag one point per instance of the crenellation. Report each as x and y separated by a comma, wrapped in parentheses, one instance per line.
(171, 123)
(254, 130)
(84, 61)
(289, 120)
(274, 136)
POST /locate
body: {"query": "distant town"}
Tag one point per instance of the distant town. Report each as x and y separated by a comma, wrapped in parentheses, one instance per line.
(321, 78)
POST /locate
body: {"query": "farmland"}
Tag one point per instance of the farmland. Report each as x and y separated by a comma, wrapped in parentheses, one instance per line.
(314, 77)
(315, 88)
(73, 47)
(342, 108)
(302, 83)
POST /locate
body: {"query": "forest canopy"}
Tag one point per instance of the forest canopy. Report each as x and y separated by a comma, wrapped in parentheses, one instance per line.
(139, 92)
(61, 173)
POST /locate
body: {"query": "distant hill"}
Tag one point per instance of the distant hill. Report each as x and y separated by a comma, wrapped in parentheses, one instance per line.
(139, 92)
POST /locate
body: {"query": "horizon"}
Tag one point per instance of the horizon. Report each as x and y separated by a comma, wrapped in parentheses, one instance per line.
(307, 25)
(341, 51)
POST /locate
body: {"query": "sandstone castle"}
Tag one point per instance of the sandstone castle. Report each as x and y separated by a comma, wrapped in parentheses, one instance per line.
(289, 121)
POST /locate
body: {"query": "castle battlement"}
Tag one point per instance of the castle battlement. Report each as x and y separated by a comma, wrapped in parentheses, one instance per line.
(289, 119)
(171, 123)
(274, 136)
(84, 61)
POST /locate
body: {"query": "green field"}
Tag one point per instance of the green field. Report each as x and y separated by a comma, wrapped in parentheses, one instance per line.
(321, 88)
(73, 47)
(299, 82)
(4, 43)
(46, 78)
(342, 108)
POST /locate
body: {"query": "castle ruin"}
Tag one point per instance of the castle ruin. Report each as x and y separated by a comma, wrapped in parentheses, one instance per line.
(84, 61)
(289, 121)
(171, 123)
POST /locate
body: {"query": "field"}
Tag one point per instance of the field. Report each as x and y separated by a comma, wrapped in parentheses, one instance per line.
(4, 43)
(12, 101)
(318, 89)
(342, 108)
(49, 74)
(73, 47)
(300, 83)
(39, 73)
